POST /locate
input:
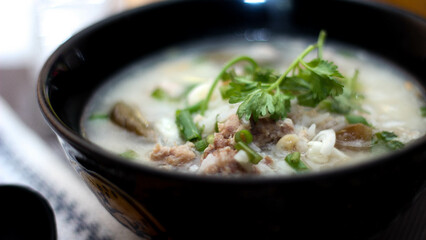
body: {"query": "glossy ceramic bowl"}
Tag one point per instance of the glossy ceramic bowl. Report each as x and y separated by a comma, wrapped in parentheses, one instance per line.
(25, 214)
(350, 203)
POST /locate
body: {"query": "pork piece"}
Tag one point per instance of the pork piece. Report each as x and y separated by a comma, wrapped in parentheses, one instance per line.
(266, 130)
(218, 157)
(355, 137)
(219, 142)
(230, 126)
(176, 155)
(225, 136)
(268, 160)
(221, 161)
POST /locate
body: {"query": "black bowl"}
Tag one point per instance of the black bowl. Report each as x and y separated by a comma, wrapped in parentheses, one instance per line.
(349, 203)
(25, 214)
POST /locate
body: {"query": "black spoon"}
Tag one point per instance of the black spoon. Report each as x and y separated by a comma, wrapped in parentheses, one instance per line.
(25, 214)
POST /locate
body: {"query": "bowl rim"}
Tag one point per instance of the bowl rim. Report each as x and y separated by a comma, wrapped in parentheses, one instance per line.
(84, 145)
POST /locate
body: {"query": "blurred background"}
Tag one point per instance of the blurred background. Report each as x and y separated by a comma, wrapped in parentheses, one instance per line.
(30, 30)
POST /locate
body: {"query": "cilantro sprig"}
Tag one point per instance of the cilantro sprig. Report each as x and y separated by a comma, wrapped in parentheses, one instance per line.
(386, 140)
(348, 101)
(205, 102)
(264, 93)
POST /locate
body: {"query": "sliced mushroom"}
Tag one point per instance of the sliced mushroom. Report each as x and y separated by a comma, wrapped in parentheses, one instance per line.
(356, 137)
(130, 118)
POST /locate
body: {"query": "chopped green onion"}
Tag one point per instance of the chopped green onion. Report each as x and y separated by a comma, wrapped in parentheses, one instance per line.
(210, 139)
(129, 154)
(353, 119)
(244, 136)
(200, 145)
(216, 125)
(423, 111)
(186, 126)
(293, 159)
(159, 94)
(99, 116)
(254, 157)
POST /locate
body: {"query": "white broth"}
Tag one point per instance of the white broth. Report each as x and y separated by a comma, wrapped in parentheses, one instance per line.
(388, 99)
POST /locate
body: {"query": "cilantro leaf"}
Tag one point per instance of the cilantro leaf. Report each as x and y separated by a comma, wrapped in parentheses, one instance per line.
(239, 90)
(423, 111)
(257, 103)
(265, 75)
(340, 105)
(282, 106)
(323, 68)
(320, 75)
(386, 140)
(353, 119)
(348, 101)
(295, 85)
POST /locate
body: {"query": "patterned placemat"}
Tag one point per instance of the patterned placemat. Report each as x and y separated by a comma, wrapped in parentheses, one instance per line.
(27, 160)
